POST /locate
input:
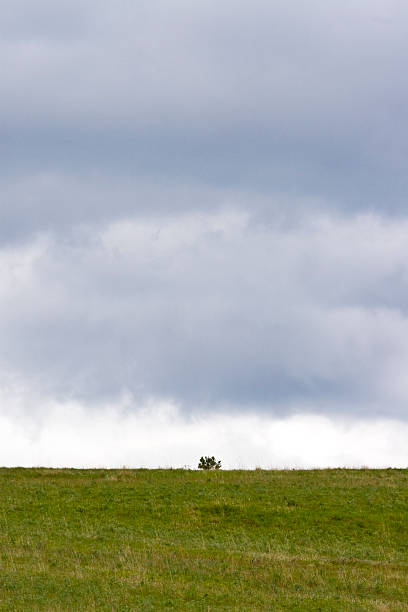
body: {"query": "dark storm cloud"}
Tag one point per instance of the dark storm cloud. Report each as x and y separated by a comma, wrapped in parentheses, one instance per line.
(206, 202)
(270, 98)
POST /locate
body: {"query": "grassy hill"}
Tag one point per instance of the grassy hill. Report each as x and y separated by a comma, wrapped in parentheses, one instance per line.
(186, 540)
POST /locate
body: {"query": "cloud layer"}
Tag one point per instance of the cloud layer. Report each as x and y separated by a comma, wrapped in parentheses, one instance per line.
(214, 311)
(204, 206)
(308, 102)
(158, 435)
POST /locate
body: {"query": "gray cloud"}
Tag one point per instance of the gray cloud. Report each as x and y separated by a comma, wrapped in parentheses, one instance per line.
(267, 99)
(205, 203)
(212, 311)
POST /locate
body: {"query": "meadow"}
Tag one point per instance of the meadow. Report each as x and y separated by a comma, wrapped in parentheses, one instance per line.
(188, 540)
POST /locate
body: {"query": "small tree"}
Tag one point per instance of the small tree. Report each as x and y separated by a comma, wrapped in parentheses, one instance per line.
(209, 463)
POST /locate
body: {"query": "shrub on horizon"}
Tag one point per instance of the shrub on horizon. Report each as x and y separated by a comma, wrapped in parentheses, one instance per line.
(209, 463)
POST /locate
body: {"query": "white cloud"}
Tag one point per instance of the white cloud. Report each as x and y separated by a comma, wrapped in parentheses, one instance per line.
(158, 435)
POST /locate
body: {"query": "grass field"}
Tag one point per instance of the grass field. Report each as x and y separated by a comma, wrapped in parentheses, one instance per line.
(187, 540)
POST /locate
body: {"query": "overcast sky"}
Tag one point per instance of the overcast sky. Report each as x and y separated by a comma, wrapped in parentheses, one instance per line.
(203, 208)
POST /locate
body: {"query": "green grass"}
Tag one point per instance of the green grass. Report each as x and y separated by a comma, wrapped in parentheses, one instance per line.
(185, 540)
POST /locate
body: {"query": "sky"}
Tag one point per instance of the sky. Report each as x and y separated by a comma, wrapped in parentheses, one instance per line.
(203, 233)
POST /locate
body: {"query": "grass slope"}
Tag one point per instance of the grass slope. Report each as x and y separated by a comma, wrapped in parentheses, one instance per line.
(175, 539)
